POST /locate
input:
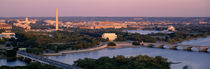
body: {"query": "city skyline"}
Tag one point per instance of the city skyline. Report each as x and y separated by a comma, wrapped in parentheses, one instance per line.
(105, 8)
(104, 34)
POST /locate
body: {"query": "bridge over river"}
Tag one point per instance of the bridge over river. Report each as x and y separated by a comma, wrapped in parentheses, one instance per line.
(181, 47)
(45, 60)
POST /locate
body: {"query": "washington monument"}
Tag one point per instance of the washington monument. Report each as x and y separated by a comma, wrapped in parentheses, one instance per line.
(57, 19)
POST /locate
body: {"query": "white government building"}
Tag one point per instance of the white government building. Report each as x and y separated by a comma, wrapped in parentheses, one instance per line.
(7, 35)
(171, 28)
(110, 36)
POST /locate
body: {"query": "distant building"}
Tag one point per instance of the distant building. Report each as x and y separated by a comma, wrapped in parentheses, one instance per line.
(5, 26)
(2, 21)
(25, 24)
(171, 28)
(57, 28)
(201, 22)
(7, 35)
(100, 25)
(110, 36)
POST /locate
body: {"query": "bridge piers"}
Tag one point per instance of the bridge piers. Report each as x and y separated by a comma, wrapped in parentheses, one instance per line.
(166, 46)
(158, 46)
(187, 48)
(22, 57)
(173, 47)
(169, 47)
(208, 50)
(203, 49)
(180, 48)
(196, 49)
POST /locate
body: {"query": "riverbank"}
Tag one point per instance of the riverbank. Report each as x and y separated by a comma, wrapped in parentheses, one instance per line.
(121, 45)
(165, 45)
(172, 55)
(101, 46)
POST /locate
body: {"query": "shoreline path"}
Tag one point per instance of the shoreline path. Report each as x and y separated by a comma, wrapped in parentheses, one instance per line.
(101, 46)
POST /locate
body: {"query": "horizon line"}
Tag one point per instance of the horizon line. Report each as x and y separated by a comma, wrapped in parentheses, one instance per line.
(101, 16)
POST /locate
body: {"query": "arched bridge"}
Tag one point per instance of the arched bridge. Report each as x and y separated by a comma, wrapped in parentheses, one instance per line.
(181, 47)
(45, 60)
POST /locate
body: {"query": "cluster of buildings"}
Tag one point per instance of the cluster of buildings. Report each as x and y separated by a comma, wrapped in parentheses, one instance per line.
(91, 24)
(49, 23)
(88, 25)
(109, 24)
(7, 35)
(25, 24)
(102, 25)
(99, 24)
(85, 25)
(52, 23)
(5, 26)
(7, 31)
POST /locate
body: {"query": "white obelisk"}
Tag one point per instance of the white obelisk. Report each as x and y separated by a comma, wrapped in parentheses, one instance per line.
(57, 19)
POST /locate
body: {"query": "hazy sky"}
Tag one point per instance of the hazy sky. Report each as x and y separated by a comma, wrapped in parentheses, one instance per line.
(149, 8)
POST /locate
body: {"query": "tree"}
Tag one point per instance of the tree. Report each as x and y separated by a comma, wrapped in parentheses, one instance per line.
(135, 43)
(122, 62)
(111, 44)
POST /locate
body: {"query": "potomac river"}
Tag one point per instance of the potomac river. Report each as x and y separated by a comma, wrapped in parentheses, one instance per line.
(195, 60)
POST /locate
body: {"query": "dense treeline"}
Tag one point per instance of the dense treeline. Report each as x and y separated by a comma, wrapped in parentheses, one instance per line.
(31, 66)
(182, 36)
(122, 62)
(55, 41)
(185, 32)
(135, 37)
(111, 44)
(39, 42)
(121, 36)
(194, 28)
(178, 36)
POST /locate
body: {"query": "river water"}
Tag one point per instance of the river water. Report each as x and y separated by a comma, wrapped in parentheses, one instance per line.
(196, 60)
(6, 62)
